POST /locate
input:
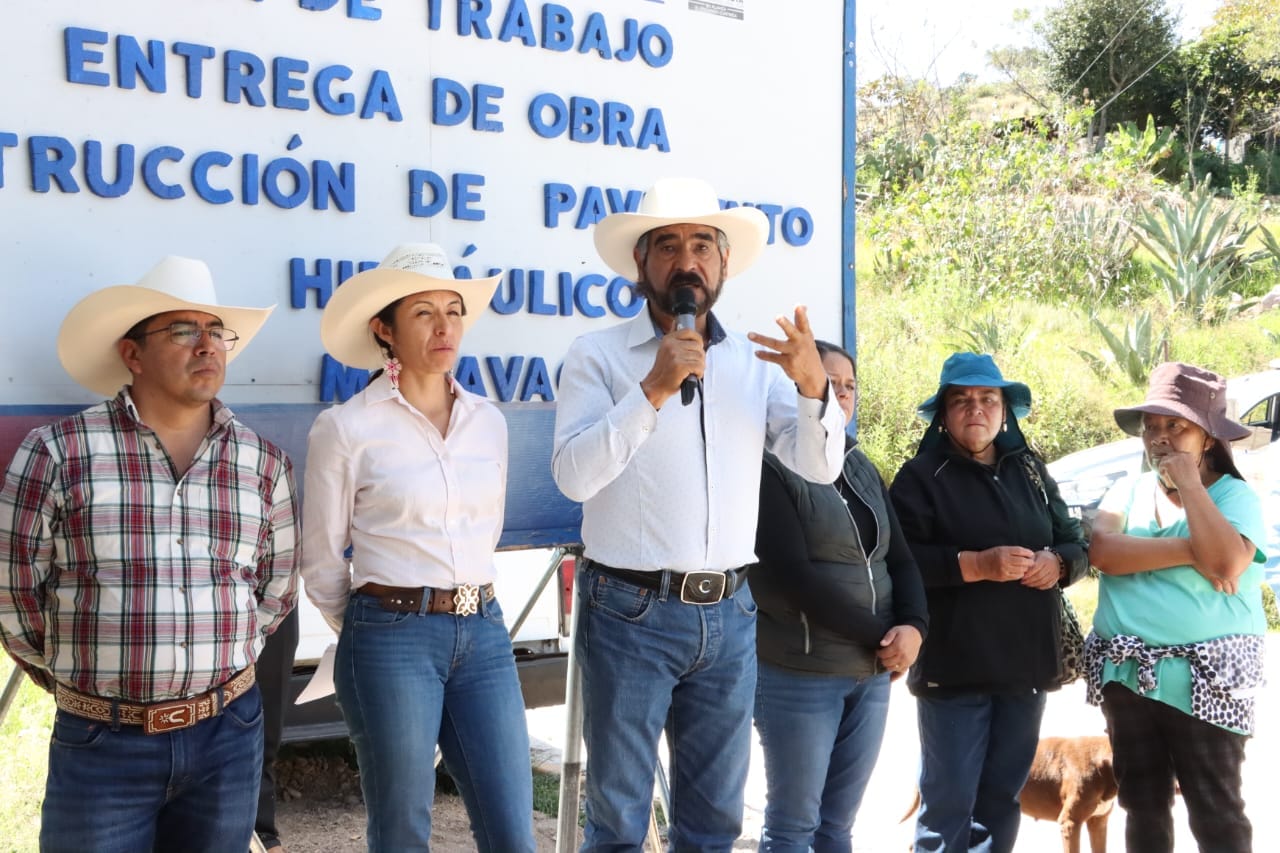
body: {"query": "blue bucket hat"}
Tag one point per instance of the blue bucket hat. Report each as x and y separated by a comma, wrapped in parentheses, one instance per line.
(968, 370)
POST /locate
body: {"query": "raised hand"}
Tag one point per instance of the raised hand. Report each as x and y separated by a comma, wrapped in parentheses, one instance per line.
(796, 354)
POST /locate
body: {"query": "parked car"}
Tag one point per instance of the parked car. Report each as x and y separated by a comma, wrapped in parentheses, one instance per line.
(1253, 400)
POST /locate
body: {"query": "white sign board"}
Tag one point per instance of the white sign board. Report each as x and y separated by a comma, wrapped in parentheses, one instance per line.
(288, 143)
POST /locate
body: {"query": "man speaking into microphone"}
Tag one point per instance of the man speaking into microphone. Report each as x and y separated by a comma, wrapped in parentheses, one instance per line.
(666, 626)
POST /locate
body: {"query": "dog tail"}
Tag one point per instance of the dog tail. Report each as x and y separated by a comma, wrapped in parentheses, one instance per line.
(915, 806)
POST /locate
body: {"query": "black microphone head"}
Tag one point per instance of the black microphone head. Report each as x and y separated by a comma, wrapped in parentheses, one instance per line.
(686, 301)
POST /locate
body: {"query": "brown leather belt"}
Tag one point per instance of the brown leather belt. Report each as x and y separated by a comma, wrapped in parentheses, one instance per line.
(461, 601)
(159, 717)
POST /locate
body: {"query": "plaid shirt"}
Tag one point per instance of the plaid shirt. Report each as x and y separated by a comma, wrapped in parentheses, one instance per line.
(120, 578)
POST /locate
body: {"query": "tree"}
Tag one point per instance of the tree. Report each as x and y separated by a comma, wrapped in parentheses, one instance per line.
(1259, 28)
(1118, 55)
(1227, 92)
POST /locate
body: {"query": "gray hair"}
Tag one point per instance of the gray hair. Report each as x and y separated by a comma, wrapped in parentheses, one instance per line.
(642, 244)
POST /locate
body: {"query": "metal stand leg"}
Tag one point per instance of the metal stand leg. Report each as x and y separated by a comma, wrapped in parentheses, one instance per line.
(553, 570)
(664, 798)
(571, 760)
(11, 688)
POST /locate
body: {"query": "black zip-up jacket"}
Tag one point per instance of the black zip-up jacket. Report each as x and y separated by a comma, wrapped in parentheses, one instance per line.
(986, 636)
(835, 572)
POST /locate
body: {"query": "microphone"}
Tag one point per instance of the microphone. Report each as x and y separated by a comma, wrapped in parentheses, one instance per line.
(686, 308)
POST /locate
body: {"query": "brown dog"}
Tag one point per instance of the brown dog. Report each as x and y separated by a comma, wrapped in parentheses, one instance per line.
(1072, 782)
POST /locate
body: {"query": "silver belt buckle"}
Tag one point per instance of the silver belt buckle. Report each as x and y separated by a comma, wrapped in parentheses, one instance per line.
(702, 587)
(466, 600)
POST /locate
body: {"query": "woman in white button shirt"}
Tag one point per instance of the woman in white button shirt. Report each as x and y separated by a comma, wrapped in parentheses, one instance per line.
(411, 475)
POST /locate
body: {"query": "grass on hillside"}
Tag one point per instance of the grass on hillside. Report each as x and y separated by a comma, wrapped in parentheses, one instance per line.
(24, 758)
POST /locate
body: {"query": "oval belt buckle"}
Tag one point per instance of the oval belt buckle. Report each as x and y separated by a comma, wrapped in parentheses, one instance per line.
(466, 600)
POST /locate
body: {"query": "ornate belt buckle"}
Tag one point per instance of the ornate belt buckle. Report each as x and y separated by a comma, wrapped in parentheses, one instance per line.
(702, 587)
(169, 717)
(466, 600)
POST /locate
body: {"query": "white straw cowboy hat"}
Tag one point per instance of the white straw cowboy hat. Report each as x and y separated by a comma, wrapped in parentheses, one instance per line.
(676, 201)
(410, 268)
(92, 328)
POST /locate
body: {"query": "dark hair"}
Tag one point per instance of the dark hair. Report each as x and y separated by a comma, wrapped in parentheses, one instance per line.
(137, 332)
(826, 348)
(1220, 461)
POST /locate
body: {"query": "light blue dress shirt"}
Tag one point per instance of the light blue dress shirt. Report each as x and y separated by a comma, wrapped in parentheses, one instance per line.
(655, 493)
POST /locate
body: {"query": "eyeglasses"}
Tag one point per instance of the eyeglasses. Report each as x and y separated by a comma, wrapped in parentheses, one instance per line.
(189, 334)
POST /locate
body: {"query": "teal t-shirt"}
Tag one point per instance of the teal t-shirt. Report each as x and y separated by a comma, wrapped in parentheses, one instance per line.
(1166, 607)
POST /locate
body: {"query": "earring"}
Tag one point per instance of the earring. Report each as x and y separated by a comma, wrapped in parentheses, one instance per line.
(392, 368)
(942, 429)
(1004, 427)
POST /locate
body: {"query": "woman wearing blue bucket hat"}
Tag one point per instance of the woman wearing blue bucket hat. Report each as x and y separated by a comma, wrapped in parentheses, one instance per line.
(995, 545)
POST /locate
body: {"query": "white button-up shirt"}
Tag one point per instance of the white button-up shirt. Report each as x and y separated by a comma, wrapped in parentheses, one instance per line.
(655, 494)
(417, 508)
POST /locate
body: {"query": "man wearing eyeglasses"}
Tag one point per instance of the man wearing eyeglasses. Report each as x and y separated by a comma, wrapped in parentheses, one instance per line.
(147, 548)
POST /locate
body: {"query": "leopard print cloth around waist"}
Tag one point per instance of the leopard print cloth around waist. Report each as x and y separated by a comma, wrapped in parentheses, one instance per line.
(1226, 673)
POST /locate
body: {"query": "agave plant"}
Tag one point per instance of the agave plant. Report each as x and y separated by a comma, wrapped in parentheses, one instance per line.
(1198, 252)
(1134, 351)
(994, 335)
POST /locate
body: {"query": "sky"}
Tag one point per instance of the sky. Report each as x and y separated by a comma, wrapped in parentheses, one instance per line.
(941, 39)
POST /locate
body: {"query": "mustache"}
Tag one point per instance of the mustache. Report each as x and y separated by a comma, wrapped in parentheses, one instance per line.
(686, 279)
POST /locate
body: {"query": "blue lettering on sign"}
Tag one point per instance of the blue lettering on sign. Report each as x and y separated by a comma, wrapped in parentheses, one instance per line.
(285, 181)
(465, 195)
(588, 121)
(467, 374)
(518, 25)
(131, 63)
(244, 74)
(322, 281)
(194, 56)
(78, 55)
(451, 103)
(358, 9)
(505, 378)
(528, 290)
(558, 198)
(338, 382)
(7, 140)
(513, 377)
(559, 30)
(537, 383)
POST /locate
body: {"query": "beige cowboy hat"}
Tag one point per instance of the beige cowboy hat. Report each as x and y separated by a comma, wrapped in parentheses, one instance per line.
(410, 268)
(92, 328)
(675, 201)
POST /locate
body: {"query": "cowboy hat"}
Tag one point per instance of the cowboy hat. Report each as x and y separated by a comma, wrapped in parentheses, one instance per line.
(677, 201)
(92, 328)
(410, 268)
(971, 370)
(1185, 391)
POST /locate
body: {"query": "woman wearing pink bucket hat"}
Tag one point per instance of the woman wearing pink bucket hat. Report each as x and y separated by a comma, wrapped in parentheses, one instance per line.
(1175, 656)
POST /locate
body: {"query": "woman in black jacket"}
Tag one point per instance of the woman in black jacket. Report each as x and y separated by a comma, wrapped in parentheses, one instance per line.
(994, 544)
(841, 608)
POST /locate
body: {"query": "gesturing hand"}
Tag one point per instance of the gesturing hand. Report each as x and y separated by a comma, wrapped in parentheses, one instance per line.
(797, 354)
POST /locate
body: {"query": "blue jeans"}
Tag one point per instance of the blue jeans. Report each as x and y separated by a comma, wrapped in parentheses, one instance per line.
(406, 681)
(975, 754)
(649, 662)
(123, 791)
(821, 735)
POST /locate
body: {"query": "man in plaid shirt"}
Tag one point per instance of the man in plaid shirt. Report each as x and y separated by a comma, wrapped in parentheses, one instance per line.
(147, 548)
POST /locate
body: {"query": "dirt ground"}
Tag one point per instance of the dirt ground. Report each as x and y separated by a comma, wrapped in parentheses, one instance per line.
(321, 810)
